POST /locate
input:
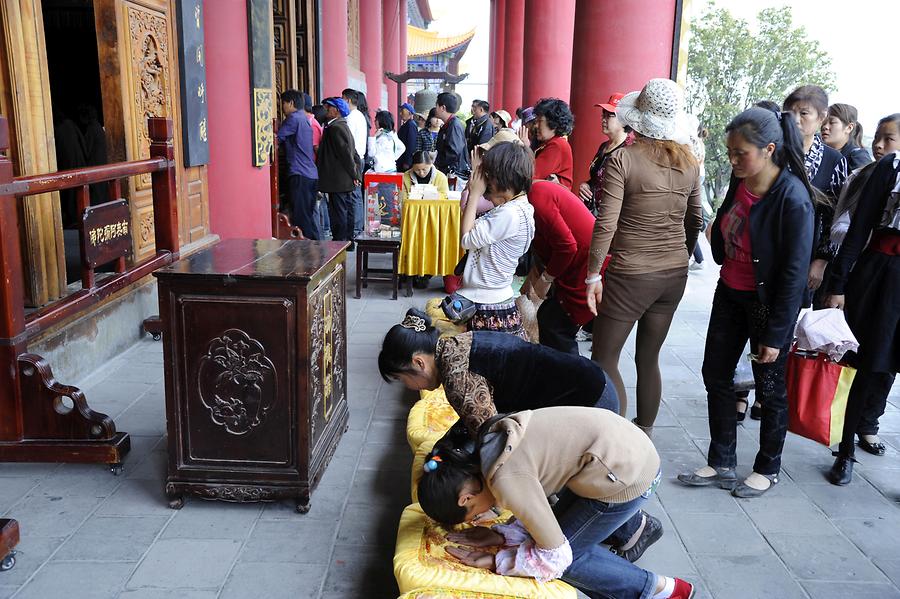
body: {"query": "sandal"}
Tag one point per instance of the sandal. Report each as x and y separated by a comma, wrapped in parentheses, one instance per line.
(741, 414)
(877, 448)
(756, 411)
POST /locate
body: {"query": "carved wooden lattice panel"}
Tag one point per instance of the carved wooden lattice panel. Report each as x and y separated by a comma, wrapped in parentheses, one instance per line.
(285, 55)
(147, 54)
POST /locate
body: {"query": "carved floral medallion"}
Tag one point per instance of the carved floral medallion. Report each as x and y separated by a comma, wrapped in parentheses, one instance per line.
(237, 382)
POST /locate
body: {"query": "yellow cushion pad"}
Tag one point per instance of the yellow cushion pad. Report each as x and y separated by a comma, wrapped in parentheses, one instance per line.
(429, 418)
(451, 594)
(420, 561)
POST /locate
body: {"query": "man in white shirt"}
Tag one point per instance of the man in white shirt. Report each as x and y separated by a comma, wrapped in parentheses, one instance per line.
(359, 129)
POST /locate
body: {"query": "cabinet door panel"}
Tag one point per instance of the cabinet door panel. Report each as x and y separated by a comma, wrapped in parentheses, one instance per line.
(327, 356)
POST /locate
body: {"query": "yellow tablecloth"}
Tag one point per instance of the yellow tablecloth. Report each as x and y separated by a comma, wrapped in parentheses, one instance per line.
(430, 237)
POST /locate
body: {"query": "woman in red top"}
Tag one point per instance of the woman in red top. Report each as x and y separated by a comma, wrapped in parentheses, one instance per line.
(553, 157)
(562, 242)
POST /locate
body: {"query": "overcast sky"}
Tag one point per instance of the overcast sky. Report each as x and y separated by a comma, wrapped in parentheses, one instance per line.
(460, 16)
(861, 36)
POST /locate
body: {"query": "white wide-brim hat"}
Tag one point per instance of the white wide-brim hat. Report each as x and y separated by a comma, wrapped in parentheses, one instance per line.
(657, 111)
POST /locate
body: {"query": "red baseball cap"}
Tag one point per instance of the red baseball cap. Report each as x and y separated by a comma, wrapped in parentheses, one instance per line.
(611, 104)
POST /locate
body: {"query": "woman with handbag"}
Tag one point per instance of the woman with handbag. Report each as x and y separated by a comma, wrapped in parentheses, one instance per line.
(649, 220)
(763, 237)
(872, 303)
(484, 372)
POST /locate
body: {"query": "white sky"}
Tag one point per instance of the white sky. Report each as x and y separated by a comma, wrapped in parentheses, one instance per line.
(460, 16)
(860, 36)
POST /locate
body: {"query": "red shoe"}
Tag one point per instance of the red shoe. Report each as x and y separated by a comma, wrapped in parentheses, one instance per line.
(683, 590)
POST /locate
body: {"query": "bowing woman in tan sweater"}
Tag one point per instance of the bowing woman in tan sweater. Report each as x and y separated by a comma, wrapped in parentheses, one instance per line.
(603, 468)
(649, 220)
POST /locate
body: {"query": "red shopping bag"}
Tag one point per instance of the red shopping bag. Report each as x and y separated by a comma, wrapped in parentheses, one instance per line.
(817, 390)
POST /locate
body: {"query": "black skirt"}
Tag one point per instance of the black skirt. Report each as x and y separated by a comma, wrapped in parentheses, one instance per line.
(873, 310)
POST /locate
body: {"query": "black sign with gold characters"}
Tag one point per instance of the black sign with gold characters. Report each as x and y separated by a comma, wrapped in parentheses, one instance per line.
(107, 233)
(192, 63)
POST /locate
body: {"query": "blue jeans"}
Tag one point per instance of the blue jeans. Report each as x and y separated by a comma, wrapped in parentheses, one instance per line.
(609, 399)
(596, 571)
(302, 191)
(359, 212)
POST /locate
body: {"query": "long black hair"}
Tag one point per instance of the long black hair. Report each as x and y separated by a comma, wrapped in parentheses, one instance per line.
(446, 471)
(403, 342)
(761, 127)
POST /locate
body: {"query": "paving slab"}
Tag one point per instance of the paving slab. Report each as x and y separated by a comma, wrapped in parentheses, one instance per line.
(186, 564)
(85, 580)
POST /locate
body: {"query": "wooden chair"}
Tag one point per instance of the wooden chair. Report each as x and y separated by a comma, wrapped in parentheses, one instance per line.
(366, 245)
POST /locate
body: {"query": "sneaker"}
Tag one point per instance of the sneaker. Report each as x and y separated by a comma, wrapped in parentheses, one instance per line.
(652, 532)
(583, 335)
(683, 590)
(695, 266)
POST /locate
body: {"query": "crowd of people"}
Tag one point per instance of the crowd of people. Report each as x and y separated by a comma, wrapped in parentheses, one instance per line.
(810, 219)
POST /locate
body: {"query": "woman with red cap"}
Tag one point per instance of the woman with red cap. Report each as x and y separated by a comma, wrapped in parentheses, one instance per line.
(618, 136)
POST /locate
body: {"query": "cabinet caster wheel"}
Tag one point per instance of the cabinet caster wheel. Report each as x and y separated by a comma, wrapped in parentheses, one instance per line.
(156, 336)
(176, 503)
(116, 469)
(8, 562)
(302, 508)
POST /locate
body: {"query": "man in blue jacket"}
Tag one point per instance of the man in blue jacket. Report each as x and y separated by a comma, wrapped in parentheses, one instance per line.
(296, 136)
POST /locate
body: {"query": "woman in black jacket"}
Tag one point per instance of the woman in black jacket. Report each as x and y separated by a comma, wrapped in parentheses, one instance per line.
(763, 237)
(842, 132)
(872, 249)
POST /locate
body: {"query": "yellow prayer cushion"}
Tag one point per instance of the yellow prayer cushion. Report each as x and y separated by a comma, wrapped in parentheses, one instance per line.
(420, 561)
(439, 319)
(451, 594)
(429, 418)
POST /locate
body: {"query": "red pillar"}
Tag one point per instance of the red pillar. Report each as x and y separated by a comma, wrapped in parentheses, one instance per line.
(492, 40)
(498, 55)
(513, 54)
(239, 198)
(402, 58)
(390, 20)
(370, 50)
(334, 47)
(549, 27)
(615, 51)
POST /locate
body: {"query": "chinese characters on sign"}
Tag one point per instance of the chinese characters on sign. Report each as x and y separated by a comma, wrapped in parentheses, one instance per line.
(192, 62)
(105, 233)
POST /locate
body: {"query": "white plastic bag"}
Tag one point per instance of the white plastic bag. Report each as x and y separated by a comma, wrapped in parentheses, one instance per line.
(825, 331)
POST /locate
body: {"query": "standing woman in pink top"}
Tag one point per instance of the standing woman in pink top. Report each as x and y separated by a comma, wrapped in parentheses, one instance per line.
(763, 238)
(649, 222)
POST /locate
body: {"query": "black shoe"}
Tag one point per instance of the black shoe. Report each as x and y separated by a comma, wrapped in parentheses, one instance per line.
(756, 411)
(741, 414)
(652, 532)
(876, 448)
(841, 472)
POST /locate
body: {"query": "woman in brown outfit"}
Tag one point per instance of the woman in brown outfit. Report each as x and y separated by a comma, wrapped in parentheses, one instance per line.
(650, 222)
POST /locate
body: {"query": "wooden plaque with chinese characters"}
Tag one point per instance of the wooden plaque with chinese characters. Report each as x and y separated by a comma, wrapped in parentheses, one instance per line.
(106, 233)
(255, 349)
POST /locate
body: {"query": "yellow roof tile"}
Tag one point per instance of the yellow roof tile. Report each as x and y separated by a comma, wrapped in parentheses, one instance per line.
(420, 42)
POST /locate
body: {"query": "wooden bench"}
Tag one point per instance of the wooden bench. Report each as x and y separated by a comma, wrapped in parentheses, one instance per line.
(9, 538)
(366, 245)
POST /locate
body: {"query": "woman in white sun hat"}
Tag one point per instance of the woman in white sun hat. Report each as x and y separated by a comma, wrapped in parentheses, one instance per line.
(650, 221)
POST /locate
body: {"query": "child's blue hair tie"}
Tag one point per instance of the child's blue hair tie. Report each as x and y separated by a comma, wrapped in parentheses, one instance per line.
(432, 464)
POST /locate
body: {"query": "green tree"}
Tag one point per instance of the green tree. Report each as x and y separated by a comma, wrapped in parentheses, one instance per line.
(730, 67)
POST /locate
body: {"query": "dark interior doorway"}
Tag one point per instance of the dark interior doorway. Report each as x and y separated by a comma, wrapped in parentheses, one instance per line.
(75, 93)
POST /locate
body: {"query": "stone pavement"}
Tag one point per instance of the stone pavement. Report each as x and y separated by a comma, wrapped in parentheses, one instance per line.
(87, 534)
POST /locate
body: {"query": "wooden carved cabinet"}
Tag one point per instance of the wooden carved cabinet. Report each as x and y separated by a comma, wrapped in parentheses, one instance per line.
(255, 347)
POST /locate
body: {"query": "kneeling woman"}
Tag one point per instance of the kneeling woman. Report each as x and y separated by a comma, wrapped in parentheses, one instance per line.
(607, 465)
(486, 371)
